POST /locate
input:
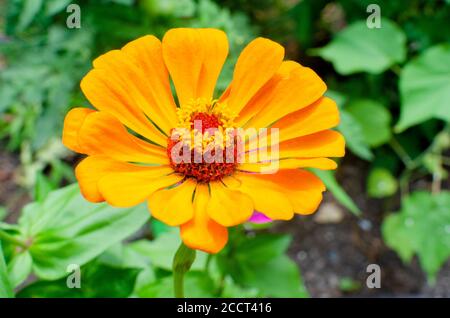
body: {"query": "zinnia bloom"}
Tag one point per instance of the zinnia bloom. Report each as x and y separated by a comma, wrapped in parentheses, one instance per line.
(128, 138)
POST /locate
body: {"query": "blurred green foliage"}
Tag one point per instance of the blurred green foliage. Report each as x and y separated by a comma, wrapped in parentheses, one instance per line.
(392, 86)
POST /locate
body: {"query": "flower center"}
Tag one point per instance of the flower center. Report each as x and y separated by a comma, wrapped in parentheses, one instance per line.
(203, 147)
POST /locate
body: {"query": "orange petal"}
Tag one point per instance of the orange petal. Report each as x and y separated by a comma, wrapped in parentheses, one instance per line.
(267, 196)
(295, 87)
(173, 206)
(256, 65)
(91, 169)
(303, 188)
(140, 69)
(72, 124)
(228, 207)
(321, 115)
(101, 133)
(194, 58)
(202, 232)
(120, 97)
(124, 189)
(290, 163)
(327, 143)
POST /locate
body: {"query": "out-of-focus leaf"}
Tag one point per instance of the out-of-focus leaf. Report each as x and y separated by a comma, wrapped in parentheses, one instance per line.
(19, 268)
(55, 6)
(422, 227)
(360, 49)
(374, 120)
(425, 88)
(6, 290)
(159, 227)
(96, 281)
(381, 183)
(338, 192)
(196, 284)
(354, 138)
(66, 229)
(160, 251)
(42, 187)
(29, 11)
(253, 262)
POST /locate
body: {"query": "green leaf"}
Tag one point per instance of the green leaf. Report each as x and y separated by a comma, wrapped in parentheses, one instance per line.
(66, 229)
(422, 227)
(374, 120)
(6, 290)
(53, 7)
(19, 268)
(338, 192)
(96, 281)
(42, 187)
(354, 138)
(253, 261)
(425, 88)
(381, 183)
(196, 284)
(360, 49)
(160, 251)
(29, 11)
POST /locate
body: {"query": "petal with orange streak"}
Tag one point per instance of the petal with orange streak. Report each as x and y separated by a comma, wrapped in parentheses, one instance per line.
(173, 206)
(194, 58)
(256, 65)
(128, 188)
(72, 124)
(91, 169)
(228, 207)
(297, 88)
(119, 97)
(202, 232)
(267, 196)
(102, 134)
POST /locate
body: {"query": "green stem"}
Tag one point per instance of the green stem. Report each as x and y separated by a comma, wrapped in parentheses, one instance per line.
(8, 237)
(406, 159)
(182, 262)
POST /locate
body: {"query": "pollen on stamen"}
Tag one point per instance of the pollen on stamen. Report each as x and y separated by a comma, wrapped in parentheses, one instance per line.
(209, 117)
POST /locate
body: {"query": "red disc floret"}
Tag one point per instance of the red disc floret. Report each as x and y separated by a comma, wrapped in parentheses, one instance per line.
(202, 171)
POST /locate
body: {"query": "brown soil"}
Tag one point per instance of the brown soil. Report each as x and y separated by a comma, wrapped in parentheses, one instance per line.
(328, 253)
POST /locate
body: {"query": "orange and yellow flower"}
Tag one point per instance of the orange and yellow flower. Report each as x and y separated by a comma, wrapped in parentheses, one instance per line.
(128, 138)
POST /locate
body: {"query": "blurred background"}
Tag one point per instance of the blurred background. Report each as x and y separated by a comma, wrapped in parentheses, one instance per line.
(388, 202)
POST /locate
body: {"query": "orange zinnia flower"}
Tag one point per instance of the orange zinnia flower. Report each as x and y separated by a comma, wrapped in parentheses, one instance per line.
(129, 143)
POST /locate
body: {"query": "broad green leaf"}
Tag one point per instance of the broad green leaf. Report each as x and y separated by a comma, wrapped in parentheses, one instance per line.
(66, 229)
(6, 290)
(259, 262)
(360, 49)
(96, 281)
(374, 120)
(381, 183)
(338, 192)
(354, 138)
(233, 290)
(422, 227)
(19, 268)
(160, 251)
(425, 88)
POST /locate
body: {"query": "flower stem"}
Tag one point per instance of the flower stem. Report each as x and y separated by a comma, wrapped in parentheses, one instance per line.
(182, 262)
